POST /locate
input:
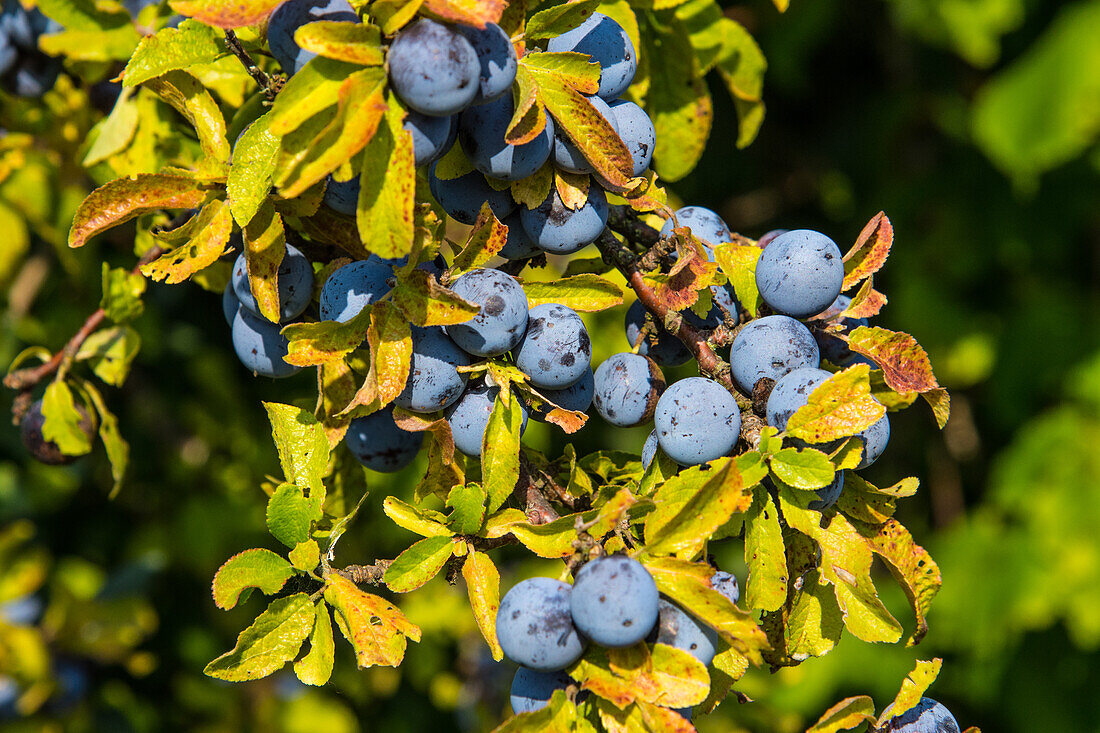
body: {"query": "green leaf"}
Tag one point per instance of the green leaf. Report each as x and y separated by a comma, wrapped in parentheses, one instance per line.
(118, 450)
(802, 469)
(252, 169)
(849, 713)
(322, 342)
(738, 263)
(839, 407)
(424, 522)
(584, 293)
(84, 16)
(690, 517)
(375, 627)
(355, 43)
(558, 19)
(387, 187)
(500, 450)
(115, 132)
(427, 303)
(174, 48)
(302, 446)
(315, 668)
(418, 564)
(678, 101)
(271, 641)
(846, 564)
(64, 424)
(555, 539)
(122, 291)
(123, 199)
(212, 228)
(468, 504)
(913, 688)
(688, 585)
(483, 587)
(256, 568)
(305, 556)
(290, 514)
(1028, 126)
(110, 351)
(764, 554)
(191, 99)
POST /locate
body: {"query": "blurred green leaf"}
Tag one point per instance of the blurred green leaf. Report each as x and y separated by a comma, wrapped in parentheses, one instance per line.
(122, 291)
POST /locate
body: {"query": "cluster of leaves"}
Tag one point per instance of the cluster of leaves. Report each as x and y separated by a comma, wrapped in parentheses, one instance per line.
(810, 571)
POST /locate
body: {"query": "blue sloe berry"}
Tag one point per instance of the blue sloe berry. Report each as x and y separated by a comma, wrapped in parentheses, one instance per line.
(557, 229)
(614, 601)
(771, 347)
(697, 420)
(555, 351)
(500, 324)
(800, 273)
(377, 442)
(352, 287)
(434, 380)
(608, 44)
(627, 387)
(260, 346)
(295, 284)
(535, 625)
(481, 133)
(433, 68)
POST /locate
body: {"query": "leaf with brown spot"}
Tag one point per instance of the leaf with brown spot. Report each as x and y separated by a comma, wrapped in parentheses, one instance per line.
(572, 188)
(912, 689)
(910, 564)
(839, 407)
(666, 676)
(699, 513)
(213, 225)
(529, 115)
(487, 237)
(468, 12)
(123, 199)
(355, 43)
(692, 272)
(483, 587)
(586, 293)
(866, 303)
(427, 303)
(313, 344)
(377, 629)
(226, 13)
(869, 253)
(264, 249)
(390, 340)
(738, 264)
(904, 363)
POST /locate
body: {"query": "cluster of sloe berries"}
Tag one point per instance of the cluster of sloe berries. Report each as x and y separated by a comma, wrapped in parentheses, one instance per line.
(544, 625)
(455, 81)
(24, 69)
(799, 275)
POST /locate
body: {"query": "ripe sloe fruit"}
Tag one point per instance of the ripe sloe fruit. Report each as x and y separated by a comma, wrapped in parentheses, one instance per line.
(535, 626)
(627, 387)
(771, 347)
(800, 273)
(555, 351)
(500, 324)
(433, 68)
(614, 601)
(377, 442)
(434, 380)
(697, 420)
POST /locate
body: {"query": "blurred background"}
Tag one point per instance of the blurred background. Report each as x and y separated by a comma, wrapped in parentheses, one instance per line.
(972, 123)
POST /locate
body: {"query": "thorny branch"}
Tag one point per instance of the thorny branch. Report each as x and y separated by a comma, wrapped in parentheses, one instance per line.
(268, 84)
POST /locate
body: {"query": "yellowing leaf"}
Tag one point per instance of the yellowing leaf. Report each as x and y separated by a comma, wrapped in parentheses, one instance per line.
(256, 568)
(191, 99)
(738, 263)
(845, 715)
(486, 239)
(251, 169)
(766, 586)
(123, 199)
(315, 668)
(313, 89)
(226, 13)
(741, 66)
(910, 564)
(387, 191)
(869, 253)
(913, 688)
(814, 621)
(586, 293)
(264, 249)
(312, 344)
(390, 340)
(272, 640)
(355, 43)
(667, 676)
(301, 444)
(214, 225)
(839, 407)
(418, 564)
(483, 587)
(65, 424)
(678, 102)
(698, 514)
(802, 469)
(427, 303)
(375, 627)
(422, 522)
(554, 21)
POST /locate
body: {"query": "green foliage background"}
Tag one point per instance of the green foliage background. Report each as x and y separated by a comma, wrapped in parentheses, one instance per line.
(972, 124)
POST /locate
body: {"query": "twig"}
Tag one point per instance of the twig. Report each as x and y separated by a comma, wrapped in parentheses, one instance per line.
(709, 362)
(24, 379)
(371, 574)
(267, 84)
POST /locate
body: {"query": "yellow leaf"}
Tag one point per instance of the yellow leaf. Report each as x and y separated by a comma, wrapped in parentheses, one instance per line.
(375, 627)
(264, 249)
(387, 191)
(214, 224)
(483, 586)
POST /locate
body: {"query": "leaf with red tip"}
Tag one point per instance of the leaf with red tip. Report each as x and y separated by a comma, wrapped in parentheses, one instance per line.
(870, 251)
(904, 363)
